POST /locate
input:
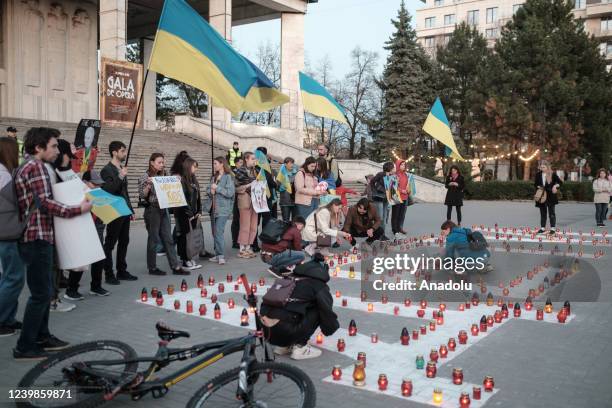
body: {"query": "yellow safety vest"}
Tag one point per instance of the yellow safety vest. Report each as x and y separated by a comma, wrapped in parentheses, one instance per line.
(233, 155)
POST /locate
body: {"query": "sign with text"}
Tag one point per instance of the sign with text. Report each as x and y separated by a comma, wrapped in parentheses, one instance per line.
(169, 191)
(121, 84)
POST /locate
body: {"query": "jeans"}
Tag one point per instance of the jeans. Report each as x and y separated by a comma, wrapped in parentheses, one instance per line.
(219, 235)
(13, 279)
(287, 212)
(117, 233)
(38, 259)
(551, 215)
(305, 210)
(287, 258)
(398, 214)
(600, 212)
(157, 222)
(382, 208)
(449, 212)
(378, 234)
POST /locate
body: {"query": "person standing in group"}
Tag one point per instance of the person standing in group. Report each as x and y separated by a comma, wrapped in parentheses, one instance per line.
(379, 192)
(398, 211)
(233, 154)
(548, 182)
(157, 220)
(324, 222)
(602, 189)
(235, 227)
(324, 174)
(188, 216)
(455, 184)
(285, 179)
(306, 193)
(220, 202)
(332, 163)
(264, 217)
(245, 176)
(115, 179)
(13, 270)
(12, 133)
(37, 207)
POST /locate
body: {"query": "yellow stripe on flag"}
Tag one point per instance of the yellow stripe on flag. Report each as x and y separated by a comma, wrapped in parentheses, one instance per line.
(440, 131)
(320, 106)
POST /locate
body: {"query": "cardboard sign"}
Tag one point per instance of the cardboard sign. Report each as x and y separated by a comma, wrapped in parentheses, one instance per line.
(169, 191)
(258, 196)
(120, 87)
(106, 206)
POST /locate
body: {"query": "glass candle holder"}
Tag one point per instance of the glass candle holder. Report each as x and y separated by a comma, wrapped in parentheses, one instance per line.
(476, 393)
(452, 344)
(404, 337)
(462, 337)
(374, 338)
(345, 302)
(420, 313)
(497, 316)
(244, 318)
(153, 292)
(483, 324)
(229, 278)
(457, 376)
(370, 307)
(474, 330)
(231, 303)
(420, 362)
(352, 329)
(221, 287)
(183, 285)
(433, 355)
(341, 345)
(461, 307)
(396, 310)
(423, 330)
(415, 335)
(213, 298)
(540, 314)
(490, 320)
(319, 338)
(361, 356)
(202, 309)
(189, 306)
(177, 304)
(423, 304)
(464, 400)
(217, 311)
(431, 370)
(517, 310)
(170, 289)
(211, 281)
(488, 383)
(144, 295)
(203, 292)
(336, 373)
(159, 299)
(443, 351)
(383, 382)
(406, 387)
(359, 374)
(407, 302)
(437, 396)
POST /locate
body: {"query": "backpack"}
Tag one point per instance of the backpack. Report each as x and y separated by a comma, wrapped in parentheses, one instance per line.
(12, 225)
(279, 294)
(273, 232)
(477, 241)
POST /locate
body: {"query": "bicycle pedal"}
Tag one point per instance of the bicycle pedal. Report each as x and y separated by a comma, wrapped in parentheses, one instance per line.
(159, 392)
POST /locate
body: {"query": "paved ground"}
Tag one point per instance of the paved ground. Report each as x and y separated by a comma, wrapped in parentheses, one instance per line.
(534, 365)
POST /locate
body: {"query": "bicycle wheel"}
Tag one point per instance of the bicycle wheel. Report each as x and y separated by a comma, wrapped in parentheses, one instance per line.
(86, 392)
(275, 385)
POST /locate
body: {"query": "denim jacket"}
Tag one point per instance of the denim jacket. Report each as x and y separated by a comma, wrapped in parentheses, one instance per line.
(224, 198)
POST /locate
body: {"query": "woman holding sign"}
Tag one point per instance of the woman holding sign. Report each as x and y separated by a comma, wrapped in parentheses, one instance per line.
(157, 220)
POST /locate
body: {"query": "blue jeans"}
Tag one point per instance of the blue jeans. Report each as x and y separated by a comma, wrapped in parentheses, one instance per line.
(13, 279)
(305, 210)
(287, 258)
(38, 259)
(382, 208)
(219, 235)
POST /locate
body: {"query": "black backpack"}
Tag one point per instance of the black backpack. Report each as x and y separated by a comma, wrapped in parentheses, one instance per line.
(477, 241)
(273, 232)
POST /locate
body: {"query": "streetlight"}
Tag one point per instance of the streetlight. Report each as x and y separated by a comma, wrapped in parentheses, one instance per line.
(580, 162)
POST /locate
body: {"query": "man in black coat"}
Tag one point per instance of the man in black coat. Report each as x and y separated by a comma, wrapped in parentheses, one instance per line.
(114, 175)
(292, 326)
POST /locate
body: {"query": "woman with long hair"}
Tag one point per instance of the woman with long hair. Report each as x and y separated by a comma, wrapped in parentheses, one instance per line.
(306, 193)
(187, 217)
(286, 178)
(547, 181)
(157, 220)
(13, 268)
(177, 166)
(324, 174)
(455, 184)
(602, 187)
(220, 203)
(325, 221)
(245, 176)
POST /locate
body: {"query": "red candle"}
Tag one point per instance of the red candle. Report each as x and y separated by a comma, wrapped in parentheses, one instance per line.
(231, 303)
(341, 345)
(374, 338)
(407, 302)
(423, 304)
(183, 285)
(462, 337)
(262, 281)
(211, 280)
(319, 338)
(490, 321)
(221, 287)
(217, 312)
(474, 330)
(504, 311)
(144, 296)
(154, 292)
(159, 299)
(433, 355)
(415, 335)
(440, 319)
(189, 306)
(370, 307)
(517, 310)
(363, 296)
(561, 316)
(336, 373)
(361, 356)
(420, 313)
(404, 337)
(457, 376)
(396, 310)
(406, 387)
(464, 400)
(461, 307)
(432, 325)
(475, 299)
(528, 304)
(352, 329)
(345, 302)
(497, 316)
(443, 351)
(423, 330)
(202, 309)
(203, 293)
(483, 323)
(200, 281)
(452, 345)
(338, 294)
(213, 298)
(567, 306)
(385, 299)
(229, 278)
(476, 391)
(431, 370)
(488, 383)
(540, 314)
(177, 304)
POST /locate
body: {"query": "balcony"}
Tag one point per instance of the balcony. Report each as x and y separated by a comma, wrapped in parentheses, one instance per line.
(600, 34)
(598, 10)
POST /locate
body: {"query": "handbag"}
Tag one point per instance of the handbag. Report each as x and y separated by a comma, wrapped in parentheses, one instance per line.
(279, 294)
(194, 240)
(323, 241)
(540, 196)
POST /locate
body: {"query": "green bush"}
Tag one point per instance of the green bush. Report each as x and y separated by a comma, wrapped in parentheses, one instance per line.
(524, 190)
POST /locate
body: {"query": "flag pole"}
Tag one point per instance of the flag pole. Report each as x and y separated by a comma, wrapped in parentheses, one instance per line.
(136, 118)
(306, 130)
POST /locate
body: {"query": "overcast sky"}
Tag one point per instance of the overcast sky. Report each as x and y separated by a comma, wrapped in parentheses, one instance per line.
(334, 28)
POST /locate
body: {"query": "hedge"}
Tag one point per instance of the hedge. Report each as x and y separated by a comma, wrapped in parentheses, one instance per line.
(524, 190)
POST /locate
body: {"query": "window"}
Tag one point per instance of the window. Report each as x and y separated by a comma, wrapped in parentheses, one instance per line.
(472, 17)
(446, 39)
(430, 42)
(438, 2)
(491, 33)
(606, 24)
(491, 15)
(515, 8)
(430, 22)
(579, 4)
(449, 19)
(609, 49)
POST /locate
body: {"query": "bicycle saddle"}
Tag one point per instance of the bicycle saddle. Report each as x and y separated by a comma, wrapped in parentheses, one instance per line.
(166, 333)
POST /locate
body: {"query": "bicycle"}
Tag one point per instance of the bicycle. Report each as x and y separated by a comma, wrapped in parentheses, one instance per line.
(93, 381)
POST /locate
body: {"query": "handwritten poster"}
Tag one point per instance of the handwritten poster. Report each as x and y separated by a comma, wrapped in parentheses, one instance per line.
(169, 191)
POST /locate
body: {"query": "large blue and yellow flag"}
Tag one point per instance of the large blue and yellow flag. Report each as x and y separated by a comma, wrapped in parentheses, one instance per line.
(436, 125)
(262, 161)
(318, 101)
(106, 206)
(189, 50)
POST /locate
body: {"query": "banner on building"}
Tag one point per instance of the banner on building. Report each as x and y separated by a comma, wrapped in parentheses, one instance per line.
(120, 87)
(169, 191)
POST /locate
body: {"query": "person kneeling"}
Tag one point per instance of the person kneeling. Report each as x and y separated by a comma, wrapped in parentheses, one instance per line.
(362, 220)
(287, 252)
(311, 306)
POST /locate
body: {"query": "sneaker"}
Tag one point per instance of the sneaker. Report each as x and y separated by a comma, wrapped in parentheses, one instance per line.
(161, 254)
(30, 355)
(190, 265)
(221, 261)
(206, 255)
(126, 276)
(99, 292)
(112, 280)
(214, 259)
(274, 272)
(157, 272)
(73, 295)
(244, 254)
(52, 343)
(6, 331)
(180, 271)
(540, 231)
(305, 352)
(283, 351)
(58, 306)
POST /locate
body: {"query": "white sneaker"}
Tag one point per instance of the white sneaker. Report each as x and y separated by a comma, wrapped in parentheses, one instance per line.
(282, 351)
(221, 261)
(305, 352)
(59, 306)
(214, 259)
(191, 265)
(310, 249)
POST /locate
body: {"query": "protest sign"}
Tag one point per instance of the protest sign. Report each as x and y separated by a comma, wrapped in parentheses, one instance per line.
(106, 206)
(169, 191)
(258, 196)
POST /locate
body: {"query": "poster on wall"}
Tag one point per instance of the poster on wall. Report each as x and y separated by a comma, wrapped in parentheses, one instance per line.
(121, 84)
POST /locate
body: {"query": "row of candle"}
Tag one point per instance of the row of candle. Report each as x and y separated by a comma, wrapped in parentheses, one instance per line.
(529, 230)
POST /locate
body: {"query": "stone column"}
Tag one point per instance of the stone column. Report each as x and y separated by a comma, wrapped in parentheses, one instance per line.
(149, 104)
(220, 18)
(113, 28)
(292, 61)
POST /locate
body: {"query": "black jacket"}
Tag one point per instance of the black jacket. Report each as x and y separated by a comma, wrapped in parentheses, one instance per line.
(193, 207)
(551, 199)
(313, 293)
(454, 195)
(379, 192)
(114, 184)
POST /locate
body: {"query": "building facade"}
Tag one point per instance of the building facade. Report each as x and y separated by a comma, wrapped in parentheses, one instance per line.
(436, 21)
(50, 51)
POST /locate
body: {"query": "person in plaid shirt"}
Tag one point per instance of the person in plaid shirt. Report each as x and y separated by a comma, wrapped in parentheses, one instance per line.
(36, 205)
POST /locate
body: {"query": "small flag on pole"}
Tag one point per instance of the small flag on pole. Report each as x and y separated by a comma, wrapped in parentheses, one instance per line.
(436, 125)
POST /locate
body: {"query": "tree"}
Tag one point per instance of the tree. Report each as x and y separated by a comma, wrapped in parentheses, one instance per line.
(407, 87)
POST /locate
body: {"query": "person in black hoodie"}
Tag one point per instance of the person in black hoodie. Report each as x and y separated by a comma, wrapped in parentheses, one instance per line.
(290, 328)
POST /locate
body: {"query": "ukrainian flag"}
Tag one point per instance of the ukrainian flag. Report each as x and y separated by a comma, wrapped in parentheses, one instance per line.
(318, 101)
(189, 50)
(262, 161)
(436, 125)
(261, 176)
(283, 179)
(106, 206)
